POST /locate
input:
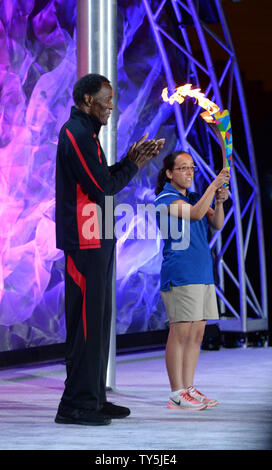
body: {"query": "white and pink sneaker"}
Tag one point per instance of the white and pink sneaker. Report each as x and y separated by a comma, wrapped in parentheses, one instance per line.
(184, 401)
(194, 393)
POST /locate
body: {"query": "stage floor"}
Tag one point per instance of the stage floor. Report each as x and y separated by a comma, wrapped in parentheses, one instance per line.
(240, 379)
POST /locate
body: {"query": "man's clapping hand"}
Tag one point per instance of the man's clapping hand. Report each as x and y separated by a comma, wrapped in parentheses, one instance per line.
(143, 150)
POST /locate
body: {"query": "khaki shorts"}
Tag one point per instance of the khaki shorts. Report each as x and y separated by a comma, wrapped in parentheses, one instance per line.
(193, 302)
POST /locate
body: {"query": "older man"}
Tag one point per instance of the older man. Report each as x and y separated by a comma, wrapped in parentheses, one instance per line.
(83, 179)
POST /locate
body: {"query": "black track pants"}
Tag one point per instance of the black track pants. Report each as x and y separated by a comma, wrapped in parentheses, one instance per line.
(88, 305)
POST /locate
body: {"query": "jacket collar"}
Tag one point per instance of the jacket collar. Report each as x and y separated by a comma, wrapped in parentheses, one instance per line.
(89, 118)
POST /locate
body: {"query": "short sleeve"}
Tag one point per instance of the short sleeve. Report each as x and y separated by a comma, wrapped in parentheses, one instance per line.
(165, 199)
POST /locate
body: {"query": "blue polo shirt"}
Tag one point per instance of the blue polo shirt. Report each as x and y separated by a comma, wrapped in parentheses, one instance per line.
(192, 264)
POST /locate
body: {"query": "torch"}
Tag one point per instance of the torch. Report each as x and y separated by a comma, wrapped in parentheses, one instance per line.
(219, 121)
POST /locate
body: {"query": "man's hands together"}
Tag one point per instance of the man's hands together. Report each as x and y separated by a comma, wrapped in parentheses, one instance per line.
(143, 150)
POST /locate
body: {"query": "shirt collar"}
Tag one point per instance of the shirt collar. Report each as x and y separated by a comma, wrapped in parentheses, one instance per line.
(169, 187)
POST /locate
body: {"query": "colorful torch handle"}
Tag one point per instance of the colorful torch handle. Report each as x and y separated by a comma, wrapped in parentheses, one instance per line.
(221, 125)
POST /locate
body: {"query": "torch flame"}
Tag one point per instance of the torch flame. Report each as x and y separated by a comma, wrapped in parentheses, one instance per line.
(186, 90)
(219, 121)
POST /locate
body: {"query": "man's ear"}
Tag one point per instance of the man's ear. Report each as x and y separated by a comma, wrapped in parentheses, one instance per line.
(88, 99)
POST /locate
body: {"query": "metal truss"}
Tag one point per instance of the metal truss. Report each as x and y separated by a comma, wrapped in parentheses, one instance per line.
(241, 291)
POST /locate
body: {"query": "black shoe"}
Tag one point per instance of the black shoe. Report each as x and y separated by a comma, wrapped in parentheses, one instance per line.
(67, 415)
(110, 410)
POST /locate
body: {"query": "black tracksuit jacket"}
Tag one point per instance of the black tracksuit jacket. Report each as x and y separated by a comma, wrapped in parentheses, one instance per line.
(83, 179)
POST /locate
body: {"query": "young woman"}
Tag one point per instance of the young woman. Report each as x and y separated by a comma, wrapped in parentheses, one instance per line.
(187, 281)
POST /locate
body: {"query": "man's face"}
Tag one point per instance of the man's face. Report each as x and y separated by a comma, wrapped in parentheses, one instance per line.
(101, 103)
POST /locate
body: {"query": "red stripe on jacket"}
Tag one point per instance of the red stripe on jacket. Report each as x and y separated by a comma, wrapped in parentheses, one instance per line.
(87, 221)
(98, 148)
(85, 166)
(80, 280)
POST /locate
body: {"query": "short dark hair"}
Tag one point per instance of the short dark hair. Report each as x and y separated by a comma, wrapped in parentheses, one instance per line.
(90, 83)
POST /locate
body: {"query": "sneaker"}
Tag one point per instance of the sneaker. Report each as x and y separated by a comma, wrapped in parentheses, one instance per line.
(184, 401)
(110, 410)
(194, 393)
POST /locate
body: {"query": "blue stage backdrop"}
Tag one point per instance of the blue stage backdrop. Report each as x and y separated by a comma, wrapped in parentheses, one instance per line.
(37, 73)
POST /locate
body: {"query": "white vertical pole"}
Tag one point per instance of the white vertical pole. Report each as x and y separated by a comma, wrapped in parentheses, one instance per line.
(97, 53)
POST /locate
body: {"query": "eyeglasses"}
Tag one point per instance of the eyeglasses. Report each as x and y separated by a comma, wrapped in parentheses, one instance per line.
(185, 168)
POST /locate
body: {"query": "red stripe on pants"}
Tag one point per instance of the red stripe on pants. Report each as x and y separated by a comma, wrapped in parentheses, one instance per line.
(80, 280)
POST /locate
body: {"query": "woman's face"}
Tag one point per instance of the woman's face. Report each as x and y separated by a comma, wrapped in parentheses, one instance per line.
(182, 174)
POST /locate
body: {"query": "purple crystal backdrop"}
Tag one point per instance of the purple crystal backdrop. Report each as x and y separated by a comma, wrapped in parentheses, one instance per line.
(37, 72)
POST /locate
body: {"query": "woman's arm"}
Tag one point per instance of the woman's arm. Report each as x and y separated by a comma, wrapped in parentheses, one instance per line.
(216, 216)
(202, 207)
